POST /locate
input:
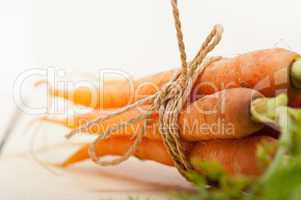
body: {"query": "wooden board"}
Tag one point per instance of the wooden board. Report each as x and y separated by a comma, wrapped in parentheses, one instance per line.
(22, 177)
(24, 173)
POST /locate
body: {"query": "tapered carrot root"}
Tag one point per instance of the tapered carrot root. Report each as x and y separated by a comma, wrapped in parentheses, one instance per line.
(236, 156)
(114, 93)
(222, 115)
(117, 146)
(267, 71)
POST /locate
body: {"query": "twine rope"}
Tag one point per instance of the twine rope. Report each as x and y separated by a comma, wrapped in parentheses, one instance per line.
(167, 102)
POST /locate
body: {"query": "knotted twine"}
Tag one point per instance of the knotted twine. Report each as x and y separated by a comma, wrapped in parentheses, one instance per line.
(167, 102)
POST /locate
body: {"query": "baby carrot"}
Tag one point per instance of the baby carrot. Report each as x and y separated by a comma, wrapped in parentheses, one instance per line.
(117, 146)
(268, 71)
(237, 156)
(224, 114)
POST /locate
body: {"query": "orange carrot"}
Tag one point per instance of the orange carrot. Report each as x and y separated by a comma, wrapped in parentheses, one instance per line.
(267, 71)
(236, 156)
(117, 146)
(221, 115)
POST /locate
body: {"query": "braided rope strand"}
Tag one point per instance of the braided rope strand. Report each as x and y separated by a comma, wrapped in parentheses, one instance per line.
(180, 37)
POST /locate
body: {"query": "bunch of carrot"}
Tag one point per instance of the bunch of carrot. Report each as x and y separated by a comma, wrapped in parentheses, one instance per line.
(219, 122)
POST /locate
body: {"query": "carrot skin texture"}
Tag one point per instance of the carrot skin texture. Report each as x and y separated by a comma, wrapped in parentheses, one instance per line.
(221, 115)
(237, 156)
(264, 70)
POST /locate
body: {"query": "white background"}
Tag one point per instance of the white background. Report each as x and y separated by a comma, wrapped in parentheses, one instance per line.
(136, 36)
(133, 35)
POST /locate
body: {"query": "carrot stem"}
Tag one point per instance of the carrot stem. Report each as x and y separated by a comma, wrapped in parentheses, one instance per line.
(286, 123)
(274, 111)
(263, 109)
(296, 73)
